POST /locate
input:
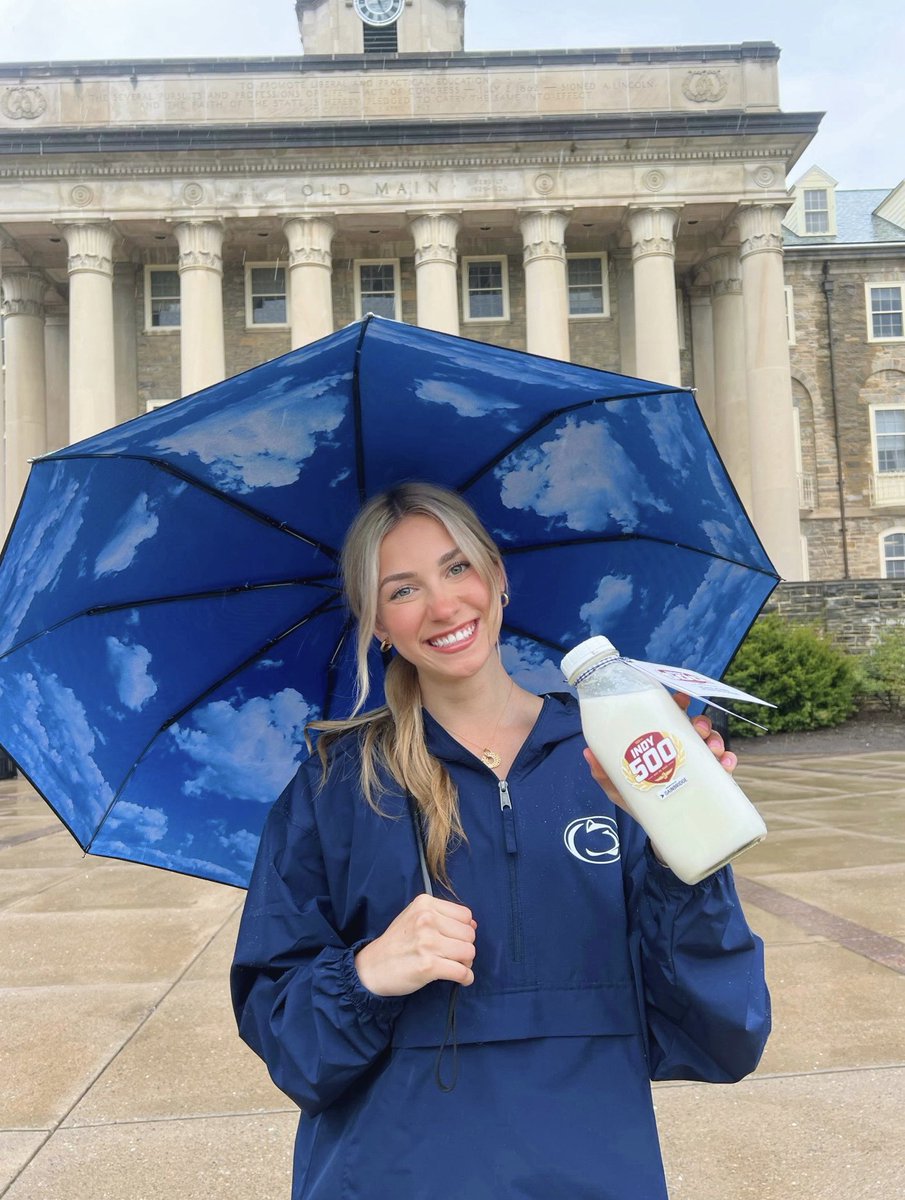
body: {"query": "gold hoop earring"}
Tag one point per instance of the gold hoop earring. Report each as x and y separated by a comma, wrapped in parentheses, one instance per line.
(504, 599)
(386, 646)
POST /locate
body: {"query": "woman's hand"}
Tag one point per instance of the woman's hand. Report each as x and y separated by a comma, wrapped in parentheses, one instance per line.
(702, 724)
(430, 939)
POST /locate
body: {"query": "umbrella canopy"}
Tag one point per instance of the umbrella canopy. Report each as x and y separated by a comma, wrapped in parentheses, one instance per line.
(170, 615)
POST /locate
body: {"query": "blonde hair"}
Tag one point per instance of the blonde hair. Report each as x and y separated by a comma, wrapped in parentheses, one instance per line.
(392, 736)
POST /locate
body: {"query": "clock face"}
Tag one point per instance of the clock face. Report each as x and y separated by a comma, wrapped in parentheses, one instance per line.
(379, 12)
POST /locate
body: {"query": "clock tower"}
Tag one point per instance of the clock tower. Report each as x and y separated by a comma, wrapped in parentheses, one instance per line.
(381, 26)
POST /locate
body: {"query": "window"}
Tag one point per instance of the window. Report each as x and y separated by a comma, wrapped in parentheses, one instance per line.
(486, 289)
(790, 316)
(816, 211)
(151, 405)
(588, 291)
(892, 557)
(162, 304)
(377, 287)
(265, 294)
(884, 309)
(888, 436)
(889, 430)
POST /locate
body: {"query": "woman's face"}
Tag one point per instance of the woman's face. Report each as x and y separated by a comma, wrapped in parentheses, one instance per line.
(432, 604)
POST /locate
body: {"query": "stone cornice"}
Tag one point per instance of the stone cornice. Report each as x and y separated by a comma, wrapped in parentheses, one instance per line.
(759, 52)
(215, 166)
(660, 126)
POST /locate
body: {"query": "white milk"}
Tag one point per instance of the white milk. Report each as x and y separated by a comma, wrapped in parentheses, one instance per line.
(693, 811)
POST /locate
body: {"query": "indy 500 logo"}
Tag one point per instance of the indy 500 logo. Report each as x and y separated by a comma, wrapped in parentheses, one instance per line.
(652, 759)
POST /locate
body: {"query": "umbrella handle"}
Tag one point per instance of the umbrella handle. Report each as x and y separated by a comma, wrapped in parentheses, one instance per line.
(419, 842)
(450, 1041)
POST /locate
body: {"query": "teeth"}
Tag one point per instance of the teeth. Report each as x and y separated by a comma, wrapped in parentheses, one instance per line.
(451, 638)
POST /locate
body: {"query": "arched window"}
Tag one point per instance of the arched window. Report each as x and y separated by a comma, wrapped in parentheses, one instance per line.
(892, 554)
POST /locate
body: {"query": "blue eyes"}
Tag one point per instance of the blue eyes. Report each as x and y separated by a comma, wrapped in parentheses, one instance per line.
(455, 571)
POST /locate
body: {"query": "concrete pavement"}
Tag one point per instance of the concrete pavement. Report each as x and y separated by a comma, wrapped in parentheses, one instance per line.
(122, 1078)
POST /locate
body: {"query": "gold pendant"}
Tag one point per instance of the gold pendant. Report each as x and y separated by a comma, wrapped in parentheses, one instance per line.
(490, 758)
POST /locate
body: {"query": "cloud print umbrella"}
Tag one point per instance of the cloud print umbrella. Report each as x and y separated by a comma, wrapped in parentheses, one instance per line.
(169, 609)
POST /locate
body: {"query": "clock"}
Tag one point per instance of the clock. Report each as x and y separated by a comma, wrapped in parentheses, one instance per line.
(379, 12)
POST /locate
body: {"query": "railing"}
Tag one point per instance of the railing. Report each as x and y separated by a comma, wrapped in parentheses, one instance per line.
(805, 491)
(887, 487)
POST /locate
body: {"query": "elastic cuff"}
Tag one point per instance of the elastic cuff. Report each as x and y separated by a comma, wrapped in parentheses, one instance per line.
(668, 880)
(365, 1003)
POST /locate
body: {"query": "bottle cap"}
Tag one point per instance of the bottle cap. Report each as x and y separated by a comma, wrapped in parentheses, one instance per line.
(595, 649)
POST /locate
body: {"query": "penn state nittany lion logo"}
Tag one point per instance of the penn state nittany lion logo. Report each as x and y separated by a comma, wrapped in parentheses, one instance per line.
(593, 839)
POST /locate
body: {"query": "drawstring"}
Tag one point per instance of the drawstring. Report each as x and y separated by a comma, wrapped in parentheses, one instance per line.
(449, 1033)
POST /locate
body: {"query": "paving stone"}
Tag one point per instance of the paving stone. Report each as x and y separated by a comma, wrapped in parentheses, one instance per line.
(834, 1136)
(230, 1158)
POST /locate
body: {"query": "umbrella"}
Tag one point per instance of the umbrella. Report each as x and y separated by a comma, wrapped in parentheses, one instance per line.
(170, 616)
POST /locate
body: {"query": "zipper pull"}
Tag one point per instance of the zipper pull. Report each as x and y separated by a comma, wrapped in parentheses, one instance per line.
(508, 819)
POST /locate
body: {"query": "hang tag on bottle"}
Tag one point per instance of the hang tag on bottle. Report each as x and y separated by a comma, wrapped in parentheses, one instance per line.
(693, 683)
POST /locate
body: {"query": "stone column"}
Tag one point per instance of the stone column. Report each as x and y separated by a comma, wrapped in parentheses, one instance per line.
(546, 281)
(435, 270)
(202, 350)
(732, 434)
(26, 418)
(773, 466)
(702, 352)
(656, 320)
(625, 297)
(125, 341)
(310, 282)
(56, 358)
(92, 381)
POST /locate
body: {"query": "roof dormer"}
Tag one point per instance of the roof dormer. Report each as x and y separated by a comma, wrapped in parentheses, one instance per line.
(813, 211)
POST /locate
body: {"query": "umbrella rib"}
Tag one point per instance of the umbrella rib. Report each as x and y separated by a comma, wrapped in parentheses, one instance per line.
(356, 411)
(635, 537)
(268, 645)
(554, 415)
(215, 493)
(100, 610)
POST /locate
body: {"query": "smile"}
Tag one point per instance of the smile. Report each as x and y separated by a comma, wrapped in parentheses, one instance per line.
(455, 638)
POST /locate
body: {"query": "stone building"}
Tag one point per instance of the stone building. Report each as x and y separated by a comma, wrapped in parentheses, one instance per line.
(845, 281)
(164, 224)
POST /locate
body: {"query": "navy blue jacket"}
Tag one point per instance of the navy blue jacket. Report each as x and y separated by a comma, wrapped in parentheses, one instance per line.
(596, 970)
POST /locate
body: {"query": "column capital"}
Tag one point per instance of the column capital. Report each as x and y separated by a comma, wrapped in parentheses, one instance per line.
(725, 273)
(90, 246)
(23, 293)
(760, 228)
(543, 232)
(200, 245)
(309, 241)
(435, 236)
(653, 229)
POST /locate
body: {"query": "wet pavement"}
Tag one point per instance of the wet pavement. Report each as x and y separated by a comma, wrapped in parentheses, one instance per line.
(122, 1078)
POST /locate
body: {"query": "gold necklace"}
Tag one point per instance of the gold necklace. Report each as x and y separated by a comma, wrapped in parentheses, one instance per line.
(490, 758)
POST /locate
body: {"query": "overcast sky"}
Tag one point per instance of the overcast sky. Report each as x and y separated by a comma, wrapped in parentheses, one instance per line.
(842, 58)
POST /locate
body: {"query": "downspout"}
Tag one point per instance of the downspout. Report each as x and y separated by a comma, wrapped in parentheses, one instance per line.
(840, 482)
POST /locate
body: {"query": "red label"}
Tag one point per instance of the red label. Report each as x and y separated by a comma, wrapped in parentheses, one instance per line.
(652, 758)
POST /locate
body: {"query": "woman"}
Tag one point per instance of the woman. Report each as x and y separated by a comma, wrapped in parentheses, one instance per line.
(495, 1039)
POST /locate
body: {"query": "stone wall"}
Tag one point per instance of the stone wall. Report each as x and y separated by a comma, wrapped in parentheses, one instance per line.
(853, 612)
(866, 373)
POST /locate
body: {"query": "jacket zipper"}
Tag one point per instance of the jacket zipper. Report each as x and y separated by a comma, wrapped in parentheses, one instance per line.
(515, 919)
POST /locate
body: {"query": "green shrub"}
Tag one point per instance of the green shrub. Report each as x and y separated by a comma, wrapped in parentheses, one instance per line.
(883, 670)
(811, 681)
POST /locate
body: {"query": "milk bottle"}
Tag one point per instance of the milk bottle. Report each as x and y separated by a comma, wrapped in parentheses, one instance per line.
(693, 811)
